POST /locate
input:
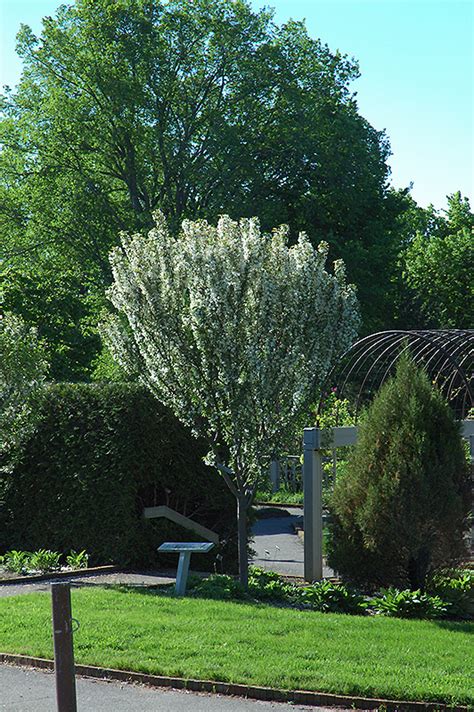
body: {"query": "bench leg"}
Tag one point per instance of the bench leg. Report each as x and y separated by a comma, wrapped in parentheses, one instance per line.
(182, 574)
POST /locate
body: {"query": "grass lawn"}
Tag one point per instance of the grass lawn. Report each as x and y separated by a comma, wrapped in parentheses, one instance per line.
(255, 644)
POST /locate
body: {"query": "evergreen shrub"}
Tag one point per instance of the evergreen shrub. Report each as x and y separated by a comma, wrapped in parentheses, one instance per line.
(400, 509)
(95, 456)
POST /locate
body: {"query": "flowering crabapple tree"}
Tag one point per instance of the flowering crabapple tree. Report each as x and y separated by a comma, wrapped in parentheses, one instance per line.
(234, 331)
(23, 368)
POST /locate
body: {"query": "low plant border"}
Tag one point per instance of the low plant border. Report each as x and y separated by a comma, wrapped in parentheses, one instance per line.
(269, 694)
(32, 578)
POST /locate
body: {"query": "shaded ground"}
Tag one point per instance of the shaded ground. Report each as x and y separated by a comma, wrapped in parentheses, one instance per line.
(27, 690)
(277, 548)
(276, 545)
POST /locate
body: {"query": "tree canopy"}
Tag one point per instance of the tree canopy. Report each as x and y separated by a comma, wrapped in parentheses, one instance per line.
(127, 106)
(436, 267)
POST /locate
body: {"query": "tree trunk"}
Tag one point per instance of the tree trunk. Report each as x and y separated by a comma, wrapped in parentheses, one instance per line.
(242, 506)
(418, 569)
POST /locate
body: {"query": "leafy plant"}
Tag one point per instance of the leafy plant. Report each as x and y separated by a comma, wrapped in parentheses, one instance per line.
(77, 560)
(44, 561)
(329, 597)
(219, 586)
(457, 591)
(408, 604)
(16, 561)
(268, 585)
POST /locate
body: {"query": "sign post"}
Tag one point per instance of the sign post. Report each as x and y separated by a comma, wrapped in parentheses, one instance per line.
(63, 648)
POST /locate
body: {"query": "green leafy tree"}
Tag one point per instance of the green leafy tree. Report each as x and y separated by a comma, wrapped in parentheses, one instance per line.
(401, 508)
(435, 287)
(197, 109)
(234, 331)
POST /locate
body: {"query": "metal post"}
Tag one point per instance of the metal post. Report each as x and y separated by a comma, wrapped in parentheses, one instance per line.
(275, 475)
(313, 510)
(63, 648)
(182, 573)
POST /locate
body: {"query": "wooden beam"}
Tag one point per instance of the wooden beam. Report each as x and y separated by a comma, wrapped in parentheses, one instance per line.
(177, 518)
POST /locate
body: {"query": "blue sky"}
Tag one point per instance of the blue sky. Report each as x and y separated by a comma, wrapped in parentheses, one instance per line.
(417, 63)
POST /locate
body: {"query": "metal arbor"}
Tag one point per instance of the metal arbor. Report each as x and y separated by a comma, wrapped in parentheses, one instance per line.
(447, 355)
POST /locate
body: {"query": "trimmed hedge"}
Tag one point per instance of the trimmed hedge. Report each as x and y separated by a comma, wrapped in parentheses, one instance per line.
(95, 456)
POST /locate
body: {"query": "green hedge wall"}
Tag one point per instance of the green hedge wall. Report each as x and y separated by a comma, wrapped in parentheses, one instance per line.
(96, 454)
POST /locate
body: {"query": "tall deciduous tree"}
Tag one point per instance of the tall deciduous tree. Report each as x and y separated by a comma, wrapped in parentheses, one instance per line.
(437, 267)
(196, 108)
(234, 331)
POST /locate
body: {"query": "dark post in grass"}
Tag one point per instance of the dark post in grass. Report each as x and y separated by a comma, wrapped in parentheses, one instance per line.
(63, 648)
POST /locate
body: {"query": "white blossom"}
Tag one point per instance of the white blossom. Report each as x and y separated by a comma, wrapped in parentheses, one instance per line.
(232, 329)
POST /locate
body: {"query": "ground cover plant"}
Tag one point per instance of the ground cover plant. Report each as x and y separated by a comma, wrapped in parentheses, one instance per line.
(41, 561)
(253, 644)
(450, 596)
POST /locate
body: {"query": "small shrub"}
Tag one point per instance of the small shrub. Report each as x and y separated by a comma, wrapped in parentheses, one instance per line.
(44, 561)
(408, 604)
(268, 585)
(457, 591)
(77, 560)
(400, 510)
(329, 597)
(218, 586)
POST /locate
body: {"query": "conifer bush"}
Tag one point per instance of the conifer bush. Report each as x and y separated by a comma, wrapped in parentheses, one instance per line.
(400, 510)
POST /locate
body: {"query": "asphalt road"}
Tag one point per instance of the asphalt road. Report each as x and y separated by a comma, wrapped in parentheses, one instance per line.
(26, 690)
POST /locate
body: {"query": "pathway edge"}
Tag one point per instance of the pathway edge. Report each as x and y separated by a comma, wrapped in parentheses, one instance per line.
(302, 697)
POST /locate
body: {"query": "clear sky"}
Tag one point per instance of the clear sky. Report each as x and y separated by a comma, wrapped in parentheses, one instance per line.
(417, 63)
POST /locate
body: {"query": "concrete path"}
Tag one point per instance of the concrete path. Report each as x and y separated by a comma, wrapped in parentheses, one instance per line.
(150, 578)
(26, 690)
(277, 546)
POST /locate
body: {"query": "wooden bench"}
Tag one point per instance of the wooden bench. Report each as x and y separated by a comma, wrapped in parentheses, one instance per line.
(184, 549)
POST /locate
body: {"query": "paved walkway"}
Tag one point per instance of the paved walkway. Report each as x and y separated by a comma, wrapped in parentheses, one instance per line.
(26, 690)
(277, 546)
(150, 578)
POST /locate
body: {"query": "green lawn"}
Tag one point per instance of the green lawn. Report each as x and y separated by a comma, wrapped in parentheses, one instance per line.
(256, 644)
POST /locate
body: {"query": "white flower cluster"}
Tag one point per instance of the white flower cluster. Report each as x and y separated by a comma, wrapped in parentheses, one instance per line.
(232, 329)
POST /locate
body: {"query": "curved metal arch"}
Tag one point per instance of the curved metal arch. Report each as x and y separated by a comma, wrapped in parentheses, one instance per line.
(446, 354)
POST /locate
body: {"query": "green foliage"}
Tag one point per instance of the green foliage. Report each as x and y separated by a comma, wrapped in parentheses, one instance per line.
(408, 604)
(243, 116)
(283, 496)
(22, 370)
(329, 597)
(44, 561)
(95, 457)
(27, 562)
(16, 561)
(77, 559)
(268, 585)
(400, 510)
(218, 586)
(457, 591)
(436, 269)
